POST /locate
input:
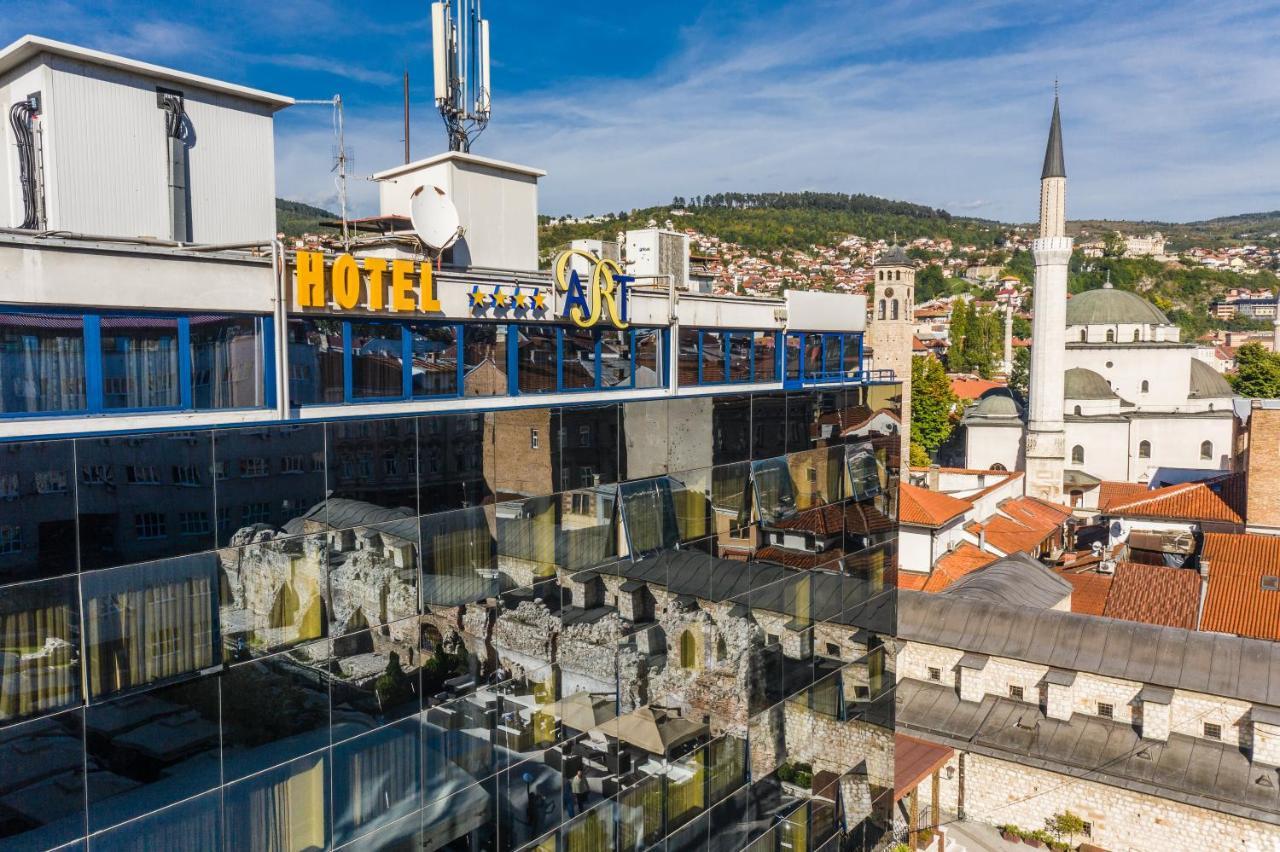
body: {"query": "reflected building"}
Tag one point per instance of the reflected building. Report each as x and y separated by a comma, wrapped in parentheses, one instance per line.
(429, 565)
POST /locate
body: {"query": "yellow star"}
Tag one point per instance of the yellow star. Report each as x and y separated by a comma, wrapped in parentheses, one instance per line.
(539, 300)
(500, 298)
(478, 298)
(522, 300)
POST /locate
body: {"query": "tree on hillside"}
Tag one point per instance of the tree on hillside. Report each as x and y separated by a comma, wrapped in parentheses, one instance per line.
(930, 283)
(1114, 245)
(959, 332)
(1257, 372)
(933, 407)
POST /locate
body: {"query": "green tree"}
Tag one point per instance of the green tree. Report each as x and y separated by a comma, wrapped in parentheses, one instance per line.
(1021, 326)
(1113, 245)
(960, 313)
(1257, 372)
(1020, 375)
(933, 406)
(930, 283)
(1065, 823)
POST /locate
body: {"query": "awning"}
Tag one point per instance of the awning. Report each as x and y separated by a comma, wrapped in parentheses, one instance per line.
(1163, 542)
(913, 761)
(1079, 479)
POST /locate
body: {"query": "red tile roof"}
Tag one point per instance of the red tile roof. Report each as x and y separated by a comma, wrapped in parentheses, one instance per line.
(912, 580)
(1154, 594)
(1215, 500)
(1036, 513)
(924, 508)
(1024, 525)
(969, 388)
(1089, 591)
(951, 567)
(1119, 492)
(1236, 602)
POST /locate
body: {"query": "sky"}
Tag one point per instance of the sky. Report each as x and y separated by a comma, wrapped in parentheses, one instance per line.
(1171, 110)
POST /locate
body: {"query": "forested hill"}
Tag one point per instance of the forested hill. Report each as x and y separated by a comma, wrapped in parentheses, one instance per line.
(294, 218)
(776, 220)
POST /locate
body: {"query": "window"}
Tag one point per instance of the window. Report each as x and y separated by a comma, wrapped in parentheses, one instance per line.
(1146, 386)
(377, 360)
(1078, 411)
(537, 358)
(740, 356)
(765, 355)
(484, 367)
(1137, 335)
(42, 363)
(291, 464)
(935, 675)
(881, 312)
(1144, 450)
(434, 353)
(1077, 454)
(1206, 449)
(10, 539)
(226, 362)
(1015, 692)
(390, 464)
(186, 474)
(1111, 335)
(713, 356)
(51, 482)
(256, 513)
(893, 309)
(1105, 710)
(140, 362)
(585, 435)
(578, 359)
(1077, 497)
(149, 525)
(533, 439)
(1212, 731)
(193, 523)
(256, 466)
(833, 650)
(141, 474)
(1084, 335)
(651, 358)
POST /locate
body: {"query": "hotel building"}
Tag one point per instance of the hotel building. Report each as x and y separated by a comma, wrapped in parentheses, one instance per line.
(362, 547)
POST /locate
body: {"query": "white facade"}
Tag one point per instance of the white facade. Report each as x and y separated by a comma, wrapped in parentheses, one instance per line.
(103, 154)
(656, 251)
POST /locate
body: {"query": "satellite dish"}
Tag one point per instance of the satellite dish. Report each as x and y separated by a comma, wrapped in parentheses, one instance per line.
(435, 219)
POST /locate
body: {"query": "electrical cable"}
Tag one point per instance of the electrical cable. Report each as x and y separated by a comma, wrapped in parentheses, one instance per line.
(20, 116)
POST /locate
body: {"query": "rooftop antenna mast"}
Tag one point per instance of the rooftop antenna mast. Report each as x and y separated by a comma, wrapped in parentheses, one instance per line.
(340, 160)
(460, 54)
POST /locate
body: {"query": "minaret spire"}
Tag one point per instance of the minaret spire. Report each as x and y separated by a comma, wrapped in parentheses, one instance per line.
(1053, 179)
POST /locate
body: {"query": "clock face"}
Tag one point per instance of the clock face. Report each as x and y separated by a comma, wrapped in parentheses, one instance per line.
(888, 292)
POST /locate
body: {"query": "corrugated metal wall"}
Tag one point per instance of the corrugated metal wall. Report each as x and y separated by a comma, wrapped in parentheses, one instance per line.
(107, 158)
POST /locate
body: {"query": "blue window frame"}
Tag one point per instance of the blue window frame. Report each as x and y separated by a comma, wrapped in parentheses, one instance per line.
(64, 363)
(727, 356)
(822, 357)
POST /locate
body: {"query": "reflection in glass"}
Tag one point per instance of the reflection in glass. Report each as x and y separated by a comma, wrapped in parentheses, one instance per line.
(155, 748)
(315, 361)
(648, 511)
(39, 647)
(37, 510)
(226, 361)
(374, 677)
(193, 824)
(615, 358)
(374, 461)
(273, 594)
(377, 360)
(41, 363)
(713, 357)
(376, 780)
(651, 358)
(150, 622)
(42, 786)
(537, 358)
(766, 355)
(740, 356)
(373, 567)
(459, 557)
(775, 497)
(435, 359)
(485, 370)
(452, 451)
(578, 367)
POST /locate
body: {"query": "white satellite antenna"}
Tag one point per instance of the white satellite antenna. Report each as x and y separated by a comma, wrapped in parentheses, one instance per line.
(434, 217)
(460, 56)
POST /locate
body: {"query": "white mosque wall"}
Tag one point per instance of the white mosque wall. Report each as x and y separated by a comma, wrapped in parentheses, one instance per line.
(1123, 332)
(1176, 442)
(1105, 447)
(1165, 369)
(986, 446)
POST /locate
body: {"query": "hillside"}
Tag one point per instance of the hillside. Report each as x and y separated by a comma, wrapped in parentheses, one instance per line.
(1262, 229)
(294, 218)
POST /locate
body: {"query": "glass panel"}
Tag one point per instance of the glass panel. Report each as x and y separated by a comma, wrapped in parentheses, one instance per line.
(435, 359)
(485, 370)
(522, 458)
(649, 514)
(851, 346)
(374, 678)
(140, 362)
(831, 355)
(226, 362)
(150, 622)
(651, 357)
(588, 446)
(37, 510)
(274, 709)
(537, 358)
(459, 557)
(766, 356)
(372, 569)
(739, 356)
(42, 789)
(144, 497)
(452, 451)
(41, 363)
(193, 824)
(315, 361)
(373, 462)
(712, 357)
(161, 746)
(774, 495)
(274, 595)
(768, 424)
(579, 363)
(377, 361)
(795, 355)
(615, 359)
(688, 372)
(268, 477)
(285, 809)
(39, 647)
(812, 355)
(376, 780)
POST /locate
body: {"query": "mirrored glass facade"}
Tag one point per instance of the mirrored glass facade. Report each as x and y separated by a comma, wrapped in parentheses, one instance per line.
(637, 624)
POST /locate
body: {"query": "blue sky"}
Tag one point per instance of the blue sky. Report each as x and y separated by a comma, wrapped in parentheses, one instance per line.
(1171, 110)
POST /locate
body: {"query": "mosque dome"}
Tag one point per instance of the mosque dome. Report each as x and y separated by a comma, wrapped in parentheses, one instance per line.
(1207, 383)
(1079, 383)
(995, 404)
(1108, 306)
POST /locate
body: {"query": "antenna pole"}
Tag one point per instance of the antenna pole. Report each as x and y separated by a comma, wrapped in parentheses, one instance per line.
(460, 46)
(406, 116)
(340, 161)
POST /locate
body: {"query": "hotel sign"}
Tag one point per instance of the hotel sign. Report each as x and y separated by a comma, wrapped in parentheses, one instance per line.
(371, 283)
(602, 299)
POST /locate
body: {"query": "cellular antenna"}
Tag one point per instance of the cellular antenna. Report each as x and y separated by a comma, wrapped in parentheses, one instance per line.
(460, 54)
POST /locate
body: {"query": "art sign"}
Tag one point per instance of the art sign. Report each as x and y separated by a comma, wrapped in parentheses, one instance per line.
(603, 299)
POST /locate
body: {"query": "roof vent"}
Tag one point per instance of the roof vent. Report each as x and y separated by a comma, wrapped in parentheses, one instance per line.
(1264, 781)
(1270, 583)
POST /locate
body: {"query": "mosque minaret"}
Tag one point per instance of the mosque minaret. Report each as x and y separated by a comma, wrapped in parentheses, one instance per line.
(1046, 441)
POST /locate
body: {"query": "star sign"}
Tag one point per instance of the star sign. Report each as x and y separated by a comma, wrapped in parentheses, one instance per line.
(521, 299)
(500, 298)
(539, 300)
(477, 298)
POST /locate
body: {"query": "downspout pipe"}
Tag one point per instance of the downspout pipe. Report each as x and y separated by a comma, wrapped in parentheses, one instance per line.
(280, 271)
